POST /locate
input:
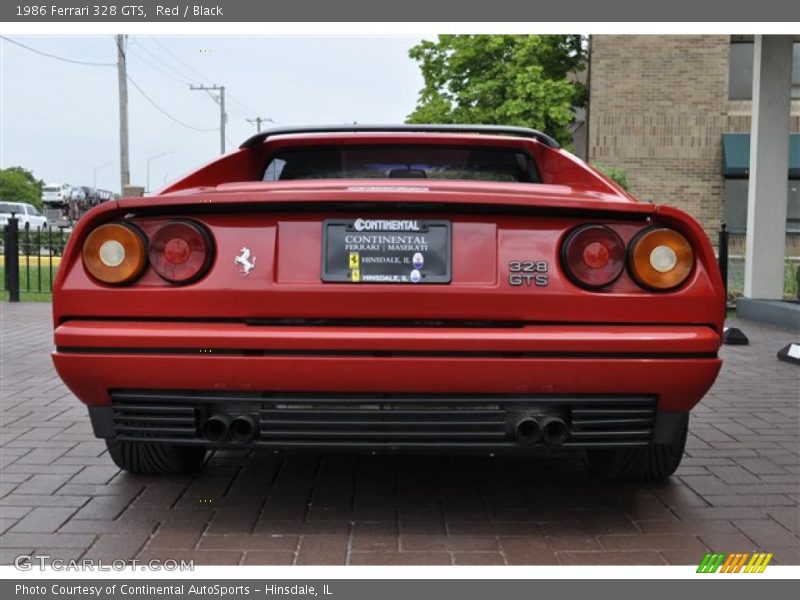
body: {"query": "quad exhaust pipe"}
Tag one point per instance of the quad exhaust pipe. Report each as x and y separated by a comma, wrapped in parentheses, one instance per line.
(529, 430)
(244, 428)
(217, 428)
(554, 431)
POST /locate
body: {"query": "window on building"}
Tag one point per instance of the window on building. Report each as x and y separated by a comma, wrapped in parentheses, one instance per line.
(736, 171)
(740, 76)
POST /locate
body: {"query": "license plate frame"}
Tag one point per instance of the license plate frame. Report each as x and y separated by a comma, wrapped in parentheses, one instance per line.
(387, 251)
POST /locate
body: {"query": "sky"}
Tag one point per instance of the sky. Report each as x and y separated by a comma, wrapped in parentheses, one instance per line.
(61, 120)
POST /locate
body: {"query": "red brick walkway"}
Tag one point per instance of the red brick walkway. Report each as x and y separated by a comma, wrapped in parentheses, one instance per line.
(738, 488)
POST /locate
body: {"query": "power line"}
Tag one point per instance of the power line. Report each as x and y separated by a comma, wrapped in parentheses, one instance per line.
(243, 106)
(140, 57)
(169, 75)
(122, 52)
(174, 73)
(136, 85)
(152, 66)
(239, 112)
(61, 58)
(173, 55)
(233, 109)
(164, 112)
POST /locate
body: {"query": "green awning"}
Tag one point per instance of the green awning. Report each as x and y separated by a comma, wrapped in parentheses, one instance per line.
(736, 155)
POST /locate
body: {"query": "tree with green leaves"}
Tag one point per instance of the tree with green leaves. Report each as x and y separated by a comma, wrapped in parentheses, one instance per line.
(523, 80)
(617, 175)
(20, 185)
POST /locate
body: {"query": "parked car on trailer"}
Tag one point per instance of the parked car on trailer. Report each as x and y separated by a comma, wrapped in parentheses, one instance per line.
(104, 195)
(90, 194)
(387, 289)
(56, 192)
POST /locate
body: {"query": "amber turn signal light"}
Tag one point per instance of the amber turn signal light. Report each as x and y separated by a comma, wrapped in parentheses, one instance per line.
(115, 253)
(660, 259)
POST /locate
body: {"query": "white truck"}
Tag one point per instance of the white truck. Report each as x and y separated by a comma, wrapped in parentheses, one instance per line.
(27, 215)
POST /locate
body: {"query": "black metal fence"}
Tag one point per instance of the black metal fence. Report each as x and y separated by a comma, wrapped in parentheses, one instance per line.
(30, 258)
(722, 257)
(731, 257)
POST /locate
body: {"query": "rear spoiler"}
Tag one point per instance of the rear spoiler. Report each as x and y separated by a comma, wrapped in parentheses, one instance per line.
(523, 132)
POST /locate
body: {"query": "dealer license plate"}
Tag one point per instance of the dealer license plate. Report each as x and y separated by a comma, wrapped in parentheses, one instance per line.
(386, 251)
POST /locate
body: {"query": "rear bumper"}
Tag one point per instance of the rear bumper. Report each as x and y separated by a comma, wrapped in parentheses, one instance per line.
(386, 388)
(677, 364)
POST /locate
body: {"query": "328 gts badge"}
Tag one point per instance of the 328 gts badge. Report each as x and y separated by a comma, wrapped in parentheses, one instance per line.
(528, 273)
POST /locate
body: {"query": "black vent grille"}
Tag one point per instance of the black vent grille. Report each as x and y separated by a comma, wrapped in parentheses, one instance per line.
(617, 419)
(384, 420)
(134, 419)
(453, 420)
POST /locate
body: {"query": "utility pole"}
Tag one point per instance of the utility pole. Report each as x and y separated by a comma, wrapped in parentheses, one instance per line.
(122, 78)
(220, 99)
(258, 121)
(222, 118)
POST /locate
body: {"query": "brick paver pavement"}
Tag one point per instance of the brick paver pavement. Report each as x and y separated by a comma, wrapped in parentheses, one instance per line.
(738, 488)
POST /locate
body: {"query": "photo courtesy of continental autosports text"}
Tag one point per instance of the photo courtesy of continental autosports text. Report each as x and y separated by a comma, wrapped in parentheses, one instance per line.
(182, 590)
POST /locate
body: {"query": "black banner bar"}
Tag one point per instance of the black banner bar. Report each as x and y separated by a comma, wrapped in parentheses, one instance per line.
(444, 11)
(187, 588)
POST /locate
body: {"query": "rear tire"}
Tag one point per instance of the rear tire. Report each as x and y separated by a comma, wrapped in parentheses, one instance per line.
(651, 463)
(147, 458)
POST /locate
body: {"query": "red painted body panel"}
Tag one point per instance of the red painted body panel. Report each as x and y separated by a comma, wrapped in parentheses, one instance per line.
(564, 339)
(547, 339)
(679, 383)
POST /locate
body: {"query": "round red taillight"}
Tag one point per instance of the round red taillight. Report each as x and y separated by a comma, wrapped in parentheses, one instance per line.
(593, 256)
(181, 251)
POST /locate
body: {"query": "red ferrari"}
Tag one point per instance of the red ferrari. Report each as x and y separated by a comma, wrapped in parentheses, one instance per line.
(390, 289)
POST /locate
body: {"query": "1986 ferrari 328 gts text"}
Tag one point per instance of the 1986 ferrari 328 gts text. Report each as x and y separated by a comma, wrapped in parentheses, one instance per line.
(388, 289)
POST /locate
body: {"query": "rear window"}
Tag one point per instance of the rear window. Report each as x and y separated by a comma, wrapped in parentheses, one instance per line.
(11, 208)
(410, 162)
